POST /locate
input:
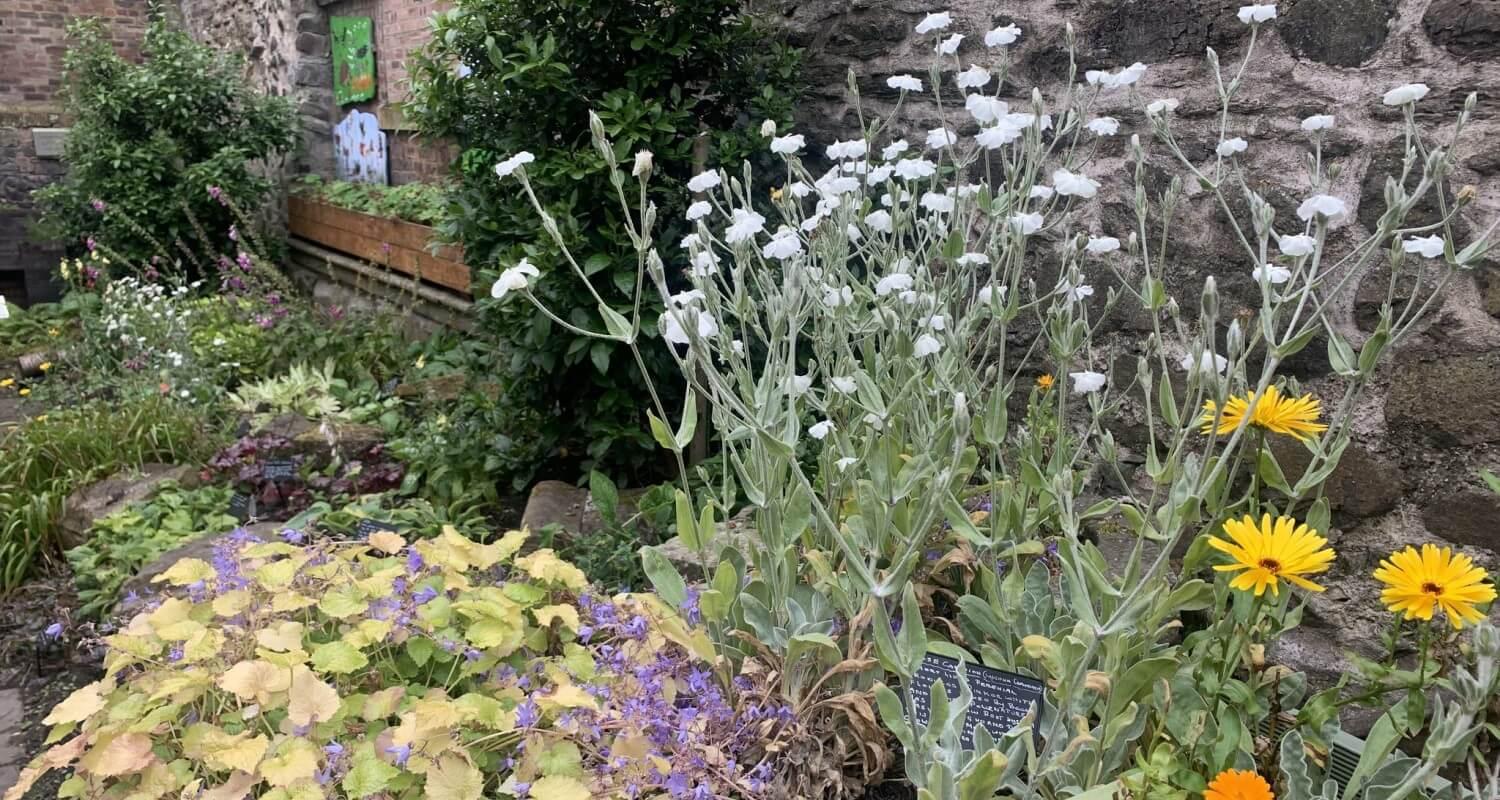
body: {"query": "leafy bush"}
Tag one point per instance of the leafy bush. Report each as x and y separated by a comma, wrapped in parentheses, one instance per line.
(149, 139)
(501, 76)
(889, 322)
(120, 544)
(308, 391)
(422, 203)
(443, 669)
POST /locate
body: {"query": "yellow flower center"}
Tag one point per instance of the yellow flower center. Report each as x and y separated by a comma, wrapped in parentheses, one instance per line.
(1270, 565)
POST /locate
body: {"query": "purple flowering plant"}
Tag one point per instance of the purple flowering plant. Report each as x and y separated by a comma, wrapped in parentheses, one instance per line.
(443, 668)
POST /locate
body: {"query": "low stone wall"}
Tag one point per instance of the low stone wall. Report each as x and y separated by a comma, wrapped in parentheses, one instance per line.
(1433, 420)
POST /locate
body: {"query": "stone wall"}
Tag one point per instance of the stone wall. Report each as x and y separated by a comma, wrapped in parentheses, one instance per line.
(1434, 418)
(32, 43)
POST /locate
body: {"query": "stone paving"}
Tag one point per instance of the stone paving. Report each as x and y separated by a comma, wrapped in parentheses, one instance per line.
(12, 756)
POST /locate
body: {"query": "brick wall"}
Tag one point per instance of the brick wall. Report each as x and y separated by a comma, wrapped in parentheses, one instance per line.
(401, 26)
(32, 43)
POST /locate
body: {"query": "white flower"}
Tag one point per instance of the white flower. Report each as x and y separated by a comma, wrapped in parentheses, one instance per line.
(845, 462)
(1272, 274)
(515, 162)
(1207, 360)
(936, 322)
(1002, 36)
(934, 22)
(513, 279)
(1104, 126)
(971, 259)
(905, 83)
(844, 385)
(1086, 382)
(926, 345)
(1027, 224)
(974, 77)
(698, 210)
(801, 383)
(1317, 122)
(968, 189)
(1112, 80)
(1298, 245)
(783, 245)
(687, 298)
(642, 164)
(1428, 246)
(986, 110)
(841, 151)
(938, 138)
(672, 324)
(1076, 293)
(937, 203)
(1323, 204)
(768, 129)
(789, 144)
(874, 421)
(799, 190)
(746, 224)
(949, 46)
(1102, 244)
(1158, 107)
(988, 293)
(1040, 191)
(736, 345)
(4, 309)
(1229, 147)
(912, 169)
(894, 149)
(879, 175)
(879, 220)
(833, 298)
(820, 430)
(704, 264)
(703, 181)
(852, 231)
(1253, 14)
(1074, 184)
(896, 281)
(837, 186)
(1406, 93)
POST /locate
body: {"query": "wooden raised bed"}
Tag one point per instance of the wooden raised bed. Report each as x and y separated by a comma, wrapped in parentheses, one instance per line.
(399, 245)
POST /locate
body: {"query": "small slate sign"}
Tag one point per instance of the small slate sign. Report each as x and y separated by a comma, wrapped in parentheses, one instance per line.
(1001, 699)
(368, 526)
(278, 470)
(390, 386)
(241, 507)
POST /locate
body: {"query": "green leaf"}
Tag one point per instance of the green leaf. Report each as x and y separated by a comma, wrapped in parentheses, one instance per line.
(368, 775)
(338, 658)
(1270, 472)
(605, 496)
(661, 433)
(663, 576)
(561, 758)
(420, 649)
(687, 530)
(689, 420)
(618, 326)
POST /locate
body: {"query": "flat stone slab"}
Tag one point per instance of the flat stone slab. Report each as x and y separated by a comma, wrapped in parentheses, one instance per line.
(114, 494)
(12, 756)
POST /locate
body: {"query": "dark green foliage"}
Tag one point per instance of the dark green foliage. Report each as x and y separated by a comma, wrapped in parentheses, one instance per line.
(422, 203)
(659, 75)
(149, 139)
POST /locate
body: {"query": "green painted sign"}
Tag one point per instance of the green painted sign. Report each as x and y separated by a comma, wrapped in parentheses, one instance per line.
(353, 59)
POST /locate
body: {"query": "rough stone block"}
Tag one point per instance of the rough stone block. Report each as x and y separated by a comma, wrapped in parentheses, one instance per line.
(48, 142)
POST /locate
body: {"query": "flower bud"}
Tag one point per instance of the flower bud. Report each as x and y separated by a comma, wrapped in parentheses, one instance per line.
(1467, 193)
(768, 128)
(1210, 301)
(642, 164)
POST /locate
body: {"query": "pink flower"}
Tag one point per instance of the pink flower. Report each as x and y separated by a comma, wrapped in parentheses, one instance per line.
(98, 205)
(89, 242)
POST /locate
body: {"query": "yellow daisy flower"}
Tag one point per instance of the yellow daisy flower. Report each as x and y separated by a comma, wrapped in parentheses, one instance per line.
(1271, 552)
(1275, 412)
(54, 331)
(24, 392)
(775, 193)
(7, 383)
(1238, 784)
(1417, 584)
(1044, 382)
(44, 366)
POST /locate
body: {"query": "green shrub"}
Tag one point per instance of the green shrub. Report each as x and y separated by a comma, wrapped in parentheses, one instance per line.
(422, 203)
(120, 544)
(659, 75)
(44, 460)
(150, 139)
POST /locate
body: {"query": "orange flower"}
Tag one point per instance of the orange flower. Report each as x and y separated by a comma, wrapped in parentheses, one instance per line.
(1044, 382)
(1238, 784)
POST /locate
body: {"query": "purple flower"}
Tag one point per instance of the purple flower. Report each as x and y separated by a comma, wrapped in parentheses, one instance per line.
(400, 752)
(216, 193)
(243, 259)
(527, 714)
(292, 535)
(234, 234)
(414, 562)
(690, 610)
(424, 595)
(523, 789)
(54, 631)
(98, 205)
(89, 242)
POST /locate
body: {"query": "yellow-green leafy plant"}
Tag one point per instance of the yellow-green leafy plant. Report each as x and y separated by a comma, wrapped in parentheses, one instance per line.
(444, 669)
